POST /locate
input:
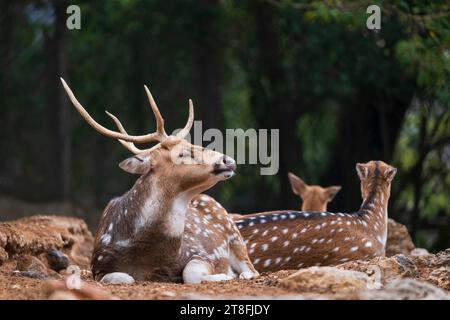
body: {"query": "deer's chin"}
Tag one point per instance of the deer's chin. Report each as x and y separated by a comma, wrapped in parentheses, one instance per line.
(224, 174)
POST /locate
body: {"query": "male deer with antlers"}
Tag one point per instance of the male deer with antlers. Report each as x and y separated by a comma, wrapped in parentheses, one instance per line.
(294, 239)
(152, 232)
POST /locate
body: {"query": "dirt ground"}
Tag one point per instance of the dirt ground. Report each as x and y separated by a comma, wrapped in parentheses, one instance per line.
(36, 252)
(267, 285)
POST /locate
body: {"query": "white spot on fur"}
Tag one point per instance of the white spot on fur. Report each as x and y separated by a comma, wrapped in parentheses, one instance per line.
(353, 249)
(274, 239)
(368, 244)
(286, 243)
(264, 247)
(267, 263)
(105, 238)
(122, 243)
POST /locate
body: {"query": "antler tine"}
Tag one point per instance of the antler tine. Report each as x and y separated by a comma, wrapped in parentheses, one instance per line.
(155, 136)
(185, 131)
(159, 119)
(129, 145)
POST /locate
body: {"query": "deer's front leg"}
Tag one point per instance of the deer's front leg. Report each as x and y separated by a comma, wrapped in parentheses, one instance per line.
(198, 270)
(240, 260)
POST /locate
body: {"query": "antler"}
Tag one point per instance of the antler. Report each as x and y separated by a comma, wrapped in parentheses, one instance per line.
(129, 145)
(159, 135)
(185, 131)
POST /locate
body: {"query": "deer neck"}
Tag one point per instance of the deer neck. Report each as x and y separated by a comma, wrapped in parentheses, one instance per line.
(375, 209)
(160, 208)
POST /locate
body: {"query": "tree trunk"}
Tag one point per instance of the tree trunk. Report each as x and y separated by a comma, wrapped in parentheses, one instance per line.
(59, 129)
(209, 65)
(271, 103)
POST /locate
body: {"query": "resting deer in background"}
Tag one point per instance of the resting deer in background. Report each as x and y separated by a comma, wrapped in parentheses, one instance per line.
(314, 198)
(152, 232)
(295, 239)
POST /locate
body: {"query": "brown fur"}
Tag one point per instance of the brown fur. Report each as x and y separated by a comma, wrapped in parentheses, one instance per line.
(314, 198)
(150, 253)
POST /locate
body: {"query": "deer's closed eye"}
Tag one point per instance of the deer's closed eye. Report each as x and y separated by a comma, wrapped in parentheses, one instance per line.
(185, 153)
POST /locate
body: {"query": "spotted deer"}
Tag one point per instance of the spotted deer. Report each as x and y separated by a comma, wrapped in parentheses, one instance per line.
(152, 232)
(314, 198)
(295, 239)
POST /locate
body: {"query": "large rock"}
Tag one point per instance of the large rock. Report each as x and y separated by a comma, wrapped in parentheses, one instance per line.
(425, 276)
(405, 289)
(58, 290)
(428, 267)
(38, 235)
(398, 239)
(328, 280)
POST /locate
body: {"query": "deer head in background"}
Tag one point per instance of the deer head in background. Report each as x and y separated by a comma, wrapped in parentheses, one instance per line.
(314, 198)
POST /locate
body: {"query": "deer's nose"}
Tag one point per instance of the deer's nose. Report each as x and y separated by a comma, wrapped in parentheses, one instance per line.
(229, 162)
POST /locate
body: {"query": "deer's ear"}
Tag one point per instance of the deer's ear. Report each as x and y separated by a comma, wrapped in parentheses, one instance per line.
(331, 192)
(390, 173)
(137, 164)
(297, 184)
(363, 170)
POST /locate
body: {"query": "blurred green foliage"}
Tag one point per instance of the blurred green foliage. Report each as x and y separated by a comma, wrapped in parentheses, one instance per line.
(338, 92)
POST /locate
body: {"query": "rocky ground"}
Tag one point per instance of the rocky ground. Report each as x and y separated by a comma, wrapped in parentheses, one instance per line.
(35, 252)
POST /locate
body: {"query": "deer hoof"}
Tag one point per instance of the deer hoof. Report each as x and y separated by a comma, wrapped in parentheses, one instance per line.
(248, 275)
(117, 278)
(217, 277)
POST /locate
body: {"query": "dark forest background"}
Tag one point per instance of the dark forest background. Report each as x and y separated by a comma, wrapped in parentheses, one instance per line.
(338, 92)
